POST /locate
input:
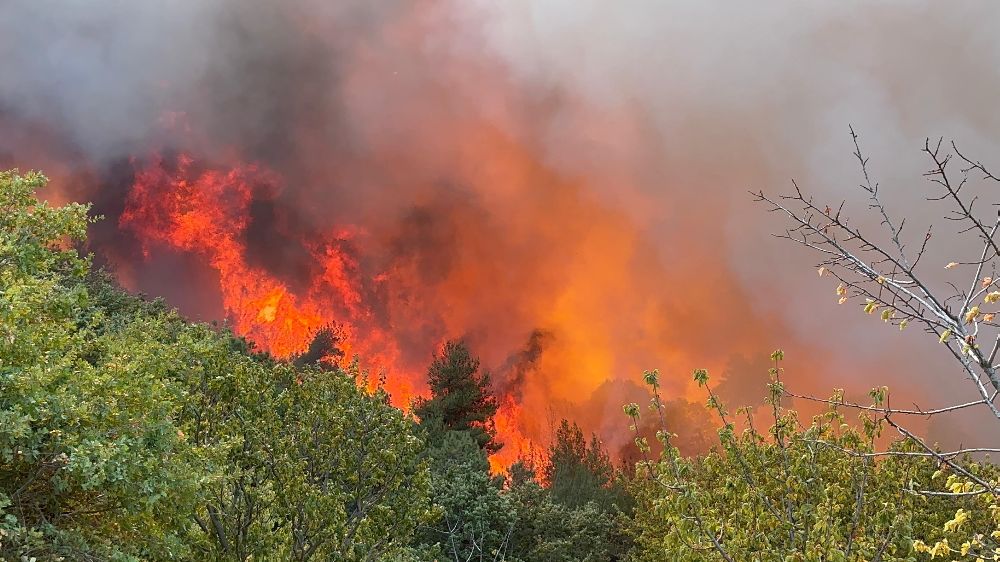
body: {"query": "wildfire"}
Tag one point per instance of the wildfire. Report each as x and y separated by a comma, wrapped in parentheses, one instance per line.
(184, 206)
(391, 175)
(206, 212)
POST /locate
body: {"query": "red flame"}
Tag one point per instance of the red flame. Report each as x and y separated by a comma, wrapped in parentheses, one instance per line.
(205, 211)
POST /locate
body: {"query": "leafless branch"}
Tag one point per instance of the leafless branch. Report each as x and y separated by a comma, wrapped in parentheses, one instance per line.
(894, 284)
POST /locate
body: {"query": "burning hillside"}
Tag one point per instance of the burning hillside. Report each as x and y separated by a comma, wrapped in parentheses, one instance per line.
(406, 173)
(559, 292)
(532, 293)
(344, 171)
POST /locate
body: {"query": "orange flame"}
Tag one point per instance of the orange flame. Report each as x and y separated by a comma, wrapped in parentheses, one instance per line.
(206, 212)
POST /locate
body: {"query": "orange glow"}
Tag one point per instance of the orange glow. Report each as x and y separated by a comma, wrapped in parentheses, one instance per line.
(516, 445)
(205, 212)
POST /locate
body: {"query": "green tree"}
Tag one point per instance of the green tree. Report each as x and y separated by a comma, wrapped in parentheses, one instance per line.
(578, 472)
(476, 518)
(550, 531)
(304, 464)
(461, 398)
(482, 517)
(795, 493)
(128, 433)
(92, 462)
(315, 468)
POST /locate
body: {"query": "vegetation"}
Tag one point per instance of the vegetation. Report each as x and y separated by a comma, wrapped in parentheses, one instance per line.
(94, 460)
(485, 517)
(951, 296)
(129, 433)
(461, 399)
(816, 492)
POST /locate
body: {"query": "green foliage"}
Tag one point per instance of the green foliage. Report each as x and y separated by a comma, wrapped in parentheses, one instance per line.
(92, 463)
(580, 515)
(795, 493)
(315, 469)
(127, 433)
(579, 473)
(461, 399)
(973, 531)
(547, 531)
(476, 518)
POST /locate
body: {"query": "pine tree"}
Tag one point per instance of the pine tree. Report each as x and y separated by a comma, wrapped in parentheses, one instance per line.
(578, 473)
(460, 397)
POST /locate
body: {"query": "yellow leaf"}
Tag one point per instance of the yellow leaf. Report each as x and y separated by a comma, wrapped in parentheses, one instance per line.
(951, 264)
(971, 315)
(944, 336)
(961, 516)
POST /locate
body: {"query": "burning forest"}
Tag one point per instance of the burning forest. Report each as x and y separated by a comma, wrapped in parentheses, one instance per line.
(537, 210)
(258, 196)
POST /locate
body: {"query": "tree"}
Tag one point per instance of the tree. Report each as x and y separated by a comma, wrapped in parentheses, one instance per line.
(461, 399)
(548, 530)
(578, 472)
(887, 274)
(305, 465)
(92, 462)
(795, 493)
(973, 533)
(315, 467)
(128, 433)
(578, 517)
(322, 349)
(476, 518)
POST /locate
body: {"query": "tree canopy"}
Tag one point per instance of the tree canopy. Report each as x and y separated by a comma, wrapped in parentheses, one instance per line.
(461, 398)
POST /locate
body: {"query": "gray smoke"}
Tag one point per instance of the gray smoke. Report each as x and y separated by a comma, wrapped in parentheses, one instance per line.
(749, 95)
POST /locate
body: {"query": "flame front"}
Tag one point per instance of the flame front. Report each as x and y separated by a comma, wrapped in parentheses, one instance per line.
(205, 212)
(558, 292)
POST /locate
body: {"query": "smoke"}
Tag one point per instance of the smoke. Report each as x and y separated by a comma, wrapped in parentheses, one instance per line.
(562, 184)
